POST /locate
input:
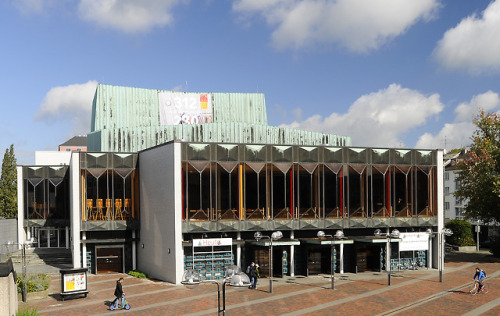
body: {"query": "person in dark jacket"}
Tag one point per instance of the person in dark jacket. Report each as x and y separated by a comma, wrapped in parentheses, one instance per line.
(119, 293)
(251, 274)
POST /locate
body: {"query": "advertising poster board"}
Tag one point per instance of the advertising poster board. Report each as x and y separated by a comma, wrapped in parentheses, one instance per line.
(414, 241)
(184, 108)
(73, 281)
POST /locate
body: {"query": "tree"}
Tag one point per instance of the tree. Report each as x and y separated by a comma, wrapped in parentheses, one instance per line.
(8, 185)
(479, 179)
(462, 233)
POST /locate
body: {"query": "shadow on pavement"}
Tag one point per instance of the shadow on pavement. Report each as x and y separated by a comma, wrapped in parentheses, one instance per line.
(479, 257)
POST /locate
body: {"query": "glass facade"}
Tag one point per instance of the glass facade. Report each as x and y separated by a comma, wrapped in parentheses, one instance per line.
(46, 192)
(109, 186)
(263, 182)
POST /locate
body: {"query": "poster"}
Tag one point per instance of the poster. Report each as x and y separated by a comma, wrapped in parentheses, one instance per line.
(75, 282)
(185, 108)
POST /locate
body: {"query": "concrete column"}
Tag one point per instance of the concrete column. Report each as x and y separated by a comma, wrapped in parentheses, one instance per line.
(238, 251)
(341, 259)
(134, 252)
(429, 254)
(84, 249)
(21, 233)
(67, 237)
(292, 255)
(74, 213)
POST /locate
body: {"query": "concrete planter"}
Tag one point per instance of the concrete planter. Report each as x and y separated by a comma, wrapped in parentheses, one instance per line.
(33, 295)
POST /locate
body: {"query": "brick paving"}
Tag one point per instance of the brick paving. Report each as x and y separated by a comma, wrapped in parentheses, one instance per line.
(411, 293)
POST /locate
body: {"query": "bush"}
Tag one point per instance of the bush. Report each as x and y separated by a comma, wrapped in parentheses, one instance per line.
(28, 312)
(138, 274)
(462, 233)
(35, 283)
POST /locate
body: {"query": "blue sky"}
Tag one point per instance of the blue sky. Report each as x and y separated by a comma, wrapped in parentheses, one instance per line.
(388, 73)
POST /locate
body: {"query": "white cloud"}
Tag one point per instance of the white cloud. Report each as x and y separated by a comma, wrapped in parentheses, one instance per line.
(129, 16)
(71, 103)
(458, 134)
(358, 25)
(379, 118)
(486, 101)
(473, 45)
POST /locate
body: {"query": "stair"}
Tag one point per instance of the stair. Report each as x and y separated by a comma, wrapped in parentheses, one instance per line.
(43, 260)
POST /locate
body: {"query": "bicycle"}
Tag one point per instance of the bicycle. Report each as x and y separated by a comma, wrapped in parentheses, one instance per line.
(474, 289)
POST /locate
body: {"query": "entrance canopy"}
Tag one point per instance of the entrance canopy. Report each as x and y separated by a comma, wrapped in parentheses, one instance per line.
(326, 241)
(281, 242)
(374, 239)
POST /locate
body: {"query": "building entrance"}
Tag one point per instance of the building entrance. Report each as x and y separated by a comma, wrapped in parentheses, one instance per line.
(49, 237)
(109, 259)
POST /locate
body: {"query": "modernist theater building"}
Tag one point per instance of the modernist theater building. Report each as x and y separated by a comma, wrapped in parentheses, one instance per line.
(175, 180)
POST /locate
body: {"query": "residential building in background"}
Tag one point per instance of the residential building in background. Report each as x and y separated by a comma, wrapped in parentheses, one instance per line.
(77, 143)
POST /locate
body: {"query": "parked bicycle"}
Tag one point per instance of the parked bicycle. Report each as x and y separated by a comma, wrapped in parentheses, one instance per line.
(475, 288)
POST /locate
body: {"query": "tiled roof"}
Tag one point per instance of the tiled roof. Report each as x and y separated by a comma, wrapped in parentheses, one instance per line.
(80, 141)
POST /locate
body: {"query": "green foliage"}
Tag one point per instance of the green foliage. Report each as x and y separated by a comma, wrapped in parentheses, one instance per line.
(35, 283)
(138, 274)
(8, 185)
(462, 233)
(456, 150)
(28, 312)
(479, 179)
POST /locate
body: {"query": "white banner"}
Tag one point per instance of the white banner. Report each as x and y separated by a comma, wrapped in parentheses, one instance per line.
(184, 108)
(413, 241)
(209, 242)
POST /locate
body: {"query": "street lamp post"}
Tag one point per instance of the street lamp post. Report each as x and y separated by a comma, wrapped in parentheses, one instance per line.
(441, 239)
(232, 276)
(393, 234)
(27, 243)
(274, 236)
(338, 235)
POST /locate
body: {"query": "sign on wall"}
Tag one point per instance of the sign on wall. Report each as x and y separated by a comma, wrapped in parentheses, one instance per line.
(185, 108)
(413, 241)
(210, 242)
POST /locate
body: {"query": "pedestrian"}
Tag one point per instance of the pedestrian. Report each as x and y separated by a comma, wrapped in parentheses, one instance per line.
(251, 274)
(119, 293)
(256, 276)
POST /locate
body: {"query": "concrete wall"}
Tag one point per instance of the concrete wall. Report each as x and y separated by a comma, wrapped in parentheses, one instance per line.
(74, 215)
(8, 295)
(52, 158)
(160, 200)
(8, 231)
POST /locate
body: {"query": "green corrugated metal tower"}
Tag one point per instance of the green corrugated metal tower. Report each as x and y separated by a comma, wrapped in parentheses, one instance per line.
(126, 119)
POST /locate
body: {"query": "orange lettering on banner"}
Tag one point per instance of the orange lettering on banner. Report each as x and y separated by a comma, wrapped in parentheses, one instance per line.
(203, 101)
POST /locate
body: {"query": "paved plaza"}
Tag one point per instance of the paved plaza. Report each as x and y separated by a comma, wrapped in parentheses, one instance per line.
(411, 293)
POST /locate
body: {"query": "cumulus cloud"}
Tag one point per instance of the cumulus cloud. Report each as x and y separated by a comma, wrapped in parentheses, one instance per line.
(473, 45)
(458, 134)
(379, 118)
(129, 16)
(487, 101)
(69, 103)
(358, 25)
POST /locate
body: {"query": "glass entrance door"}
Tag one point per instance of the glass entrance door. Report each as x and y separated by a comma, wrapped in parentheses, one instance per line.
(49, 237)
